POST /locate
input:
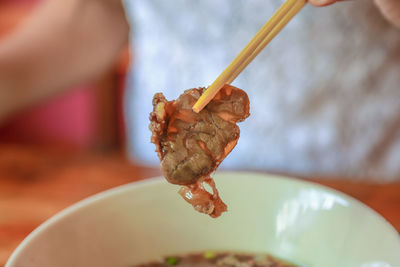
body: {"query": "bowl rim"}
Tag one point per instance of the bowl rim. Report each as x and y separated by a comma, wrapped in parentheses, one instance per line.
(160, 179)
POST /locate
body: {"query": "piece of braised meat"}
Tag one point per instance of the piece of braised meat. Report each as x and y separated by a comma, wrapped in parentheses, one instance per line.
(191, 145)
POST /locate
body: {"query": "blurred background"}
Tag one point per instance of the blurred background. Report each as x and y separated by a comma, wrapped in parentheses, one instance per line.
(324, 97)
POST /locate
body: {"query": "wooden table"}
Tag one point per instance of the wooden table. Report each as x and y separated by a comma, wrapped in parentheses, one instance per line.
(35, 183)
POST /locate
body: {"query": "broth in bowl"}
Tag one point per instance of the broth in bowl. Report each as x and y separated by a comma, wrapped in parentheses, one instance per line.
(223, 259)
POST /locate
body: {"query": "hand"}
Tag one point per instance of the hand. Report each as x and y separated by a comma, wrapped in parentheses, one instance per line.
(390, 9)
(324, 2)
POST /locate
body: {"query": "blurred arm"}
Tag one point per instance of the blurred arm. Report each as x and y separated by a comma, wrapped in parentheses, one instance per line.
(62, 43)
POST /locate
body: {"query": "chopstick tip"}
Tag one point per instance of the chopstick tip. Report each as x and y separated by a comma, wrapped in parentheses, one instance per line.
(196, 108)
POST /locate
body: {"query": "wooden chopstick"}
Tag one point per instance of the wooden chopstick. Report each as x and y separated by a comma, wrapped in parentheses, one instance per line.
(292, 12)
(270, 29)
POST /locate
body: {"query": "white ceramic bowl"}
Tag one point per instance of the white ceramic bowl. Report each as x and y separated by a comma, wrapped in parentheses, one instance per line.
(305, 223)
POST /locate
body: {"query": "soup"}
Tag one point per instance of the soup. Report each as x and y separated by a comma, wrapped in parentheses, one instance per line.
(209, 259)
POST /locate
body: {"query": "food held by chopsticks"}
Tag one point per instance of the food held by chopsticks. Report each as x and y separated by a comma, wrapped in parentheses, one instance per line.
(194, 133)
(191, 145)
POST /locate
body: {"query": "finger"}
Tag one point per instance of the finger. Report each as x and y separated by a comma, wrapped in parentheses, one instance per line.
(321, 2)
